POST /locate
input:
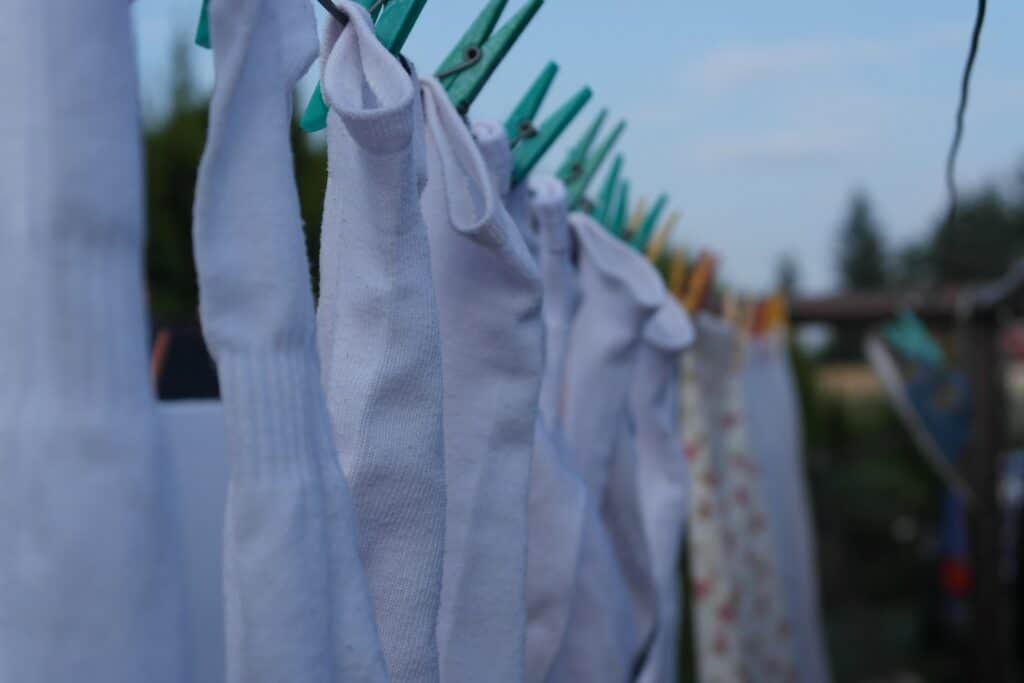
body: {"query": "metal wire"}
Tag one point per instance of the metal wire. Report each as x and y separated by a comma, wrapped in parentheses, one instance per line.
(965, 88)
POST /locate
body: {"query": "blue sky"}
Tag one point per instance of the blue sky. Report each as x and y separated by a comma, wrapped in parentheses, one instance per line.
(759, 119)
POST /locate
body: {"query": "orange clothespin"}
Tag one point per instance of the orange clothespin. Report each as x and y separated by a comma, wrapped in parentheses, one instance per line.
(700, 283)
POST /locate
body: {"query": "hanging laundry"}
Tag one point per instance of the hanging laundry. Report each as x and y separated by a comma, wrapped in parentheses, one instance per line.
(297, 604)
(557, 503)
(91, 575)
(715, 598)
(765, 627)
(379, 337)
(489, 297)
(620, 293)
(662, 472)
(776, 437)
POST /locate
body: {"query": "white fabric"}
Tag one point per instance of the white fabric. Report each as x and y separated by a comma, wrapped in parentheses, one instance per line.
(489, 297)
(716, 627)
(379, 337)
(620, 293)
(662, 472)
(774, 426)
(297, 605)
(767, 644)
(197, 445)
(557, 495)
(90, 580)
(494, 146)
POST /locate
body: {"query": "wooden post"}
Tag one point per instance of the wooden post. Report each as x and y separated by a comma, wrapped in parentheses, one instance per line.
(991, 605)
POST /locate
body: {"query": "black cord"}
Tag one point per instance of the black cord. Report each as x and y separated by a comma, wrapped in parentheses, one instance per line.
(334, 11)
(965, 88)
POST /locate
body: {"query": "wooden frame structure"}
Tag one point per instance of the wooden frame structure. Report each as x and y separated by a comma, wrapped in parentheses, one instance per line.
(976, 315)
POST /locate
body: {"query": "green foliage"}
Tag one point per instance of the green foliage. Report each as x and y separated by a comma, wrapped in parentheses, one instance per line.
(862, 250)
(982, 244)
(174, 145)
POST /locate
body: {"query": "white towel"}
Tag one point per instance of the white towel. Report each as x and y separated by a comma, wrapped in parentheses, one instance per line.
(297, 601)
(90, 580)
(557, 495)
(774, 426)
(379, 337)
(620, 293)
(662, 472)
(489, 296)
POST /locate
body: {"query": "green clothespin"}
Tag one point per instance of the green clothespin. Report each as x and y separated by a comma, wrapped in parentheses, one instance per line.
(609, 193)
(468, 68)
(521, 123)
(394, 21)
(621, 218)
(911, 340)
(530, 151)
(572, 167)
(593, 164)
(646, 231)
(203, 28)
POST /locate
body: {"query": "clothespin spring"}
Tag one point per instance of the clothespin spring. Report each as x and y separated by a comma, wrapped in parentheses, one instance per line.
(472, 56)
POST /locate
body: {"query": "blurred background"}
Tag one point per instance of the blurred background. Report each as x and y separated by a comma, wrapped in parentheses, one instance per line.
(805, 144)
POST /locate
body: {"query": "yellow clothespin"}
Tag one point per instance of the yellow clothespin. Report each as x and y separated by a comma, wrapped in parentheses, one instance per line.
(657, 246)
(636, 218)
(677, 275)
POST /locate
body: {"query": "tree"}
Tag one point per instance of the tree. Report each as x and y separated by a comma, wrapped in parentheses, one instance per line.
(862, 254)
(787, 276)
(981, 243)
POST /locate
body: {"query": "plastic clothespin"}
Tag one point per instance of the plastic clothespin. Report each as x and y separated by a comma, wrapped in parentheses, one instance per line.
(636, 218)
(609, 194)
(593, 164)
(621, 219)
(530, 151)
(466, 70)
(677, 275)
(203, 27)
(394, 21)
(657, 245)
(646, 230)
(698, 288)
(572, 167)
(520, 125)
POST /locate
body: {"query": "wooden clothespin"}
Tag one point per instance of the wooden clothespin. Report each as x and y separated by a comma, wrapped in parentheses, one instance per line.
(468, 67)
(677, 275)
(657, 245)
(394, 22)
(700, 282)
(636, 218)
(530, 143)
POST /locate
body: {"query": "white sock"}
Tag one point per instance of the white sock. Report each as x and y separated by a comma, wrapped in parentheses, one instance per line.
(557, 494)
(297, 602)
(489, 296)
(90, 581)
(773, 423)
(492, 140)
(379, 338)
(620, 293)
(561, 290)
(662, 474)
(715, 602)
